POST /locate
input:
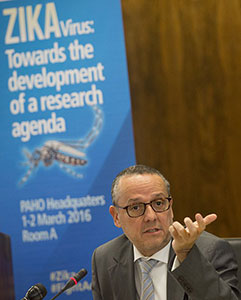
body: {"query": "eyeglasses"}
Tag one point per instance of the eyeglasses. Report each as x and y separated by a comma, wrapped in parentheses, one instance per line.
(138, 209)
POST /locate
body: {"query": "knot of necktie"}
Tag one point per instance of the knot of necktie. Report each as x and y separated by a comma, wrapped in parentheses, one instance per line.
(147, 265)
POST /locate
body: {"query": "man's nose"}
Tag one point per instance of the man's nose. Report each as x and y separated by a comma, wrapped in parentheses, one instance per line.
(150, 214)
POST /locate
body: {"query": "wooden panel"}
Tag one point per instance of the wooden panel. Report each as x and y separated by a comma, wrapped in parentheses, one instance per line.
(185, 72)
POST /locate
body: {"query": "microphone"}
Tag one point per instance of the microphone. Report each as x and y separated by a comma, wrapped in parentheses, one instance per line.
(36, 292)
(71, 282)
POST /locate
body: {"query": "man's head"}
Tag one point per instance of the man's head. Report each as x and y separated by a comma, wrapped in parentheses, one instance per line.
(149, 232)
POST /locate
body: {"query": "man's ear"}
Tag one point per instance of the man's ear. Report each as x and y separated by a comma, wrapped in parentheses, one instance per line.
(115, 215)
(171, 204)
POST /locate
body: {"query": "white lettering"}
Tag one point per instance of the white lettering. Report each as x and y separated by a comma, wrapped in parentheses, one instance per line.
(78, 28)
(78, 51)
(31, 29)
(37, 57)
(51, 17)
(44, 219)
(22, 24)
(39, 236)
(76, 99)
(12, 12)
(26, 129)
(33, 25)
(55, 79)
(32, 205)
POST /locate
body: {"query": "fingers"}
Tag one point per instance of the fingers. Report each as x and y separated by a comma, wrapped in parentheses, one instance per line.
(177, 230)
(185, 237)
(193, 228)
(200, 222)
(210, 218)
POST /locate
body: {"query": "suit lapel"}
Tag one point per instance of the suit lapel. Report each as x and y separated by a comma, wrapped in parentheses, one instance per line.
(174, 289)
(122, 273)
(123, 280)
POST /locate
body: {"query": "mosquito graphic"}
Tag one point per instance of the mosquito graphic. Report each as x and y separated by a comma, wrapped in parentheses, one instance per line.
(66, 153)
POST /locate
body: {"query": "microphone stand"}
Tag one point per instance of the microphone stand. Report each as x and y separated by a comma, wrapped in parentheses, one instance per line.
(72, 281)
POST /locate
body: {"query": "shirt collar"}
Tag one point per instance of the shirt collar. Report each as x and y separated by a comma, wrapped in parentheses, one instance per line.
(162, 255)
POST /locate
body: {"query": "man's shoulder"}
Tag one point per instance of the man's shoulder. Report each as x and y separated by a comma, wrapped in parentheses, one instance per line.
(207, 236)
(113, 245)
(208, 242)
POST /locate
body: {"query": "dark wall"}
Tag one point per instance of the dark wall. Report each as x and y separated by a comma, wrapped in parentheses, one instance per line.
(185, 81)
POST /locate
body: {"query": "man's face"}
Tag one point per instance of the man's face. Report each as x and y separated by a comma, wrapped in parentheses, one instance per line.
(150, 232)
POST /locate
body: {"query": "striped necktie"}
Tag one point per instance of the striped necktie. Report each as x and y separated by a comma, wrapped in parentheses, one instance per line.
(147, 291)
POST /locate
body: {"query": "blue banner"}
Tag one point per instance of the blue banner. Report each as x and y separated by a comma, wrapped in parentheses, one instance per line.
(66, 131)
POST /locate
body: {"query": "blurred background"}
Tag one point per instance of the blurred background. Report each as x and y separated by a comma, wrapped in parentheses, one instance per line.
(185, 72)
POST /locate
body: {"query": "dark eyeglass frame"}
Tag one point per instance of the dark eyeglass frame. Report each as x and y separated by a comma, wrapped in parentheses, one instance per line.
(169, 198)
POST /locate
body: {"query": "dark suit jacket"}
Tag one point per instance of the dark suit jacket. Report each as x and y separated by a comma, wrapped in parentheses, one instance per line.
(208, 273)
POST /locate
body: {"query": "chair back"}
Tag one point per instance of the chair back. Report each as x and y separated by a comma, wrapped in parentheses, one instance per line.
(236, 245)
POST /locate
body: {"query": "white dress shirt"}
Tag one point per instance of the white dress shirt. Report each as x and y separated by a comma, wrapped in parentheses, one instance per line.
(158, 273)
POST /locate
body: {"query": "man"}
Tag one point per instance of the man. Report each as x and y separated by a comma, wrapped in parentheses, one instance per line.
(185, 262)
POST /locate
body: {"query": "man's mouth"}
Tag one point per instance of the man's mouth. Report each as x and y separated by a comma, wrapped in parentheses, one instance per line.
(151, 230)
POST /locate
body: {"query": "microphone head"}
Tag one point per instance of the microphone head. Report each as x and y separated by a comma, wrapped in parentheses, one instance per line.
(74, 280)
(36, 292)
(80, 274)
